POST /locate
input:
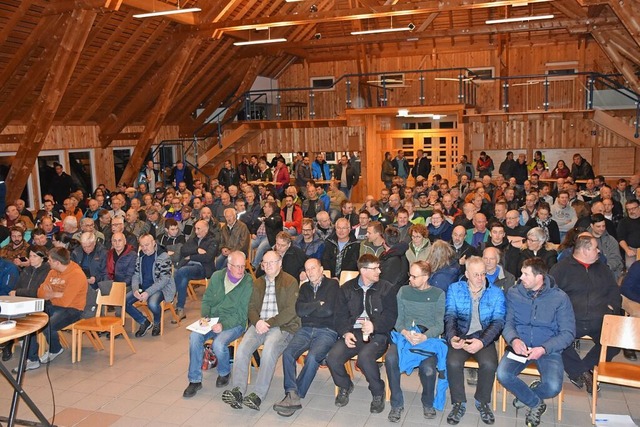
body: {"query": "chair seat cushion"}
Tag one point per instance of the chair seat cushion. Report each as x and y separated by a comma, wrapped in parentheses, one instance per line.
(620, 373)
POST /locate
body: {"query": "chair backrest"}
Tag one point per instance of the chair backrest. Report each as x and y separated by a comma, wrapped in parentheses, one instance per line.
(116, 298)
(346, 275)
(621, 332)
(327, 273)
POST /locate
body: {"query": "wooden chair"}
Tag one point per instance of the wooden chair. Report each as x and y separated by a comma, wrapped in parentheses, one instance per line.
(113, 325)
(346, 275)
(164, 306)
(251, 253)
(622, 332)
(327, 273)
(191, 287)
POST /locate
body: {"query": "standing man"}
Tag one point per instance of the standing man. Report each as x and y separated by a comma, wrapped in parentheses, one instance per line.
(581, 168)
(421, 166)
(540, 325)
(629, 232)
(303, 175)
(228, 175)
(474, 317)
(61, 184)
(227, 298)
(507, 166)
(150, 176)
(593, 292)
(152, 282)
(343, 173)
(320, 168)
(181, 173)
(315, 307)
(366, 311)
(387, 173)
(401, 165)
(272, 323)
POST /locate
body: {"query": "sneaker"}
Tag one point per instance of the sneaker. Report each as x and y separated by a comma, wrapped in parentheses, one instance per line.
(30, 366)
(472, 376)
(577, 381)
(429, 412)
(290, 402)
(7, 352)
(48, 357)
(377, 405)
(588, 382)
(486, 415)
(395, 414)
(342, 399)
(517, 403)
(233, 398)
(286, 412)
(252, 401)
(144, 328)
(222, 380)
(456, 414)
(181, 315)
(155, 331)
(628, 354)
(534, 414)
(191, 389)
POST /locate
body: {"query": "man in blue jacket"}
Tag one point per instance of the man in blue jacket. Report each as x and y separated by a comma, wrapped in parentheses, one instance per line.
(540, 325)
(474, 317)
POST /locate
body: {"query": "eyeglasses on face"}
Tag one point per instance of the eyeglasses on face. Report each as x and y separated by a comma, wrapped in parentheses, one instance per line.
(269, 263)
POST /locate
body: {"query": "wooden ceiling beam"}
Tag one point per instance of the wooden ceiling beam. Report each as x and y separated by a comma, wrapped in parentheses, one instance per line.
(65, 6)
(629, 14)
(625, 45)
(16, 16)
(41, 35)
(356, 14)
(116, 81)
(623, 64)
(575, 25)
(175, 76)
(77, 27)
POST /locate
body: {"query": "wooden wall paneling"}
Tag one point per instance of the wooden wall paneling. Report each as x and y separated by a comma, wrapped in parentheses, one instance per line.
(77, 28)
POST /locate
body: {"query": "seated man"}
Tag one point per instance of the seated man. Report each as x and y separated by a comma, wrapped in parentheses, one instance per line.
(364, 328)
(273, 321)
(630, 291)
(65, 292)
(540, 325)
(235, 237)
(227, 298)
(197, 262)
(91, 256)
(315, 306)
(310, 243)
(474, 317)
(420, 319)
(152, 283)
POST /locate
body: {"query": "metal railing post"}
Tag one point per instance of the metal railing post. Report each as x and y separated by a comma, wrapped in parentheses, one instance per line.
(505, 96)
(312, 111)
(545, 104)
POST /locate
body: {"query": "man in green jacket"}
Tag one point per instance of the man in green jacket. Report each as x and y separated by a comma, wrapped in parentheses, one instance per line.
(227, 298)
(272, 323)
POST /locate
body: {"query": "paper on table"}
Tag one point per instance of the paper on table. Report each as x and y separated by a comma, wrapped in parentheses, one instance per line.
(614, 420)
(202, 329)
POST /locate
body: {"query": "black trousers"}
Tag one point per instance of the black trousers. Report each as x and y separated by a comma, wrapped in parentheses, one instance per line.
(487, 359)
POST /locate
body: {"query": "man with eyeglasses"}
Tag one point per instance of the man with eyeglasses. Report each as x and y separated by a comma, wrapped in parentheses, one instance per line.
(474, 317)
(227, 298)
(315, 307)
(629, 232)
(365, 314)
(594, 292)
(309, 242)
(272, 323)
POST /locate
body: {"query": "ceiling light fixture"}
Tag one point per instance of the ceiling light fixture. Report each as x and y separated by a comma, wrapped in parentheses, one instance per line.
(519, 19)
(167, 12)
(391, 29)
(262, 41)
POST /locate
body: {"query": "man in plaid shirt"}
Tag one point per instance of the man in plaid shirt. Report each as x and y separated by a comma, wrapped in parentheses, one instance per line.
(272, 323)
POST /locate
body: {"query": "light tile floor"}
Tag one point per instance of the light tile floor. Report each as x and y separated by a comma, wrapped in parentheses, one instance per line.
(146, 389)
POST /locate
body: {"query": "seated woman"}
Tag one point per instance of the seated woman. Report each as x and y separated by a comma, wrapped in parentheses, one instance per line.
(419, 243)
(420, 321)
(439, 228)
(444, 265)
(543, 220)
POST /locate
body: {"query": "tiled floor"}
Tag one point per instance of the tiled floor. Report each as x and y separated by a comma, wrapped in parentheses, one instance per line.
(146, 389)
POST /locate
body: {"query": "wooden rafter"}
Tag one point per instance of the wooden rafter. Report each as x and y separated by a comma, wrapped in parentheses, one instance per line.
(16, 16)
(355, 14)
(625, 45)
(76, 30)
(623, 64)
(119, 79)
(175, 77)
(629, 14)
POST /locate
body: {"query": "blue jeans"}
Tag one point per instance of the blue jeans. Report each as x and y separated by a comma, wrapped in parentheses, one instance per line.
(426, 370)
(153, 302)
(274, 341)
(59, 317)
(182, 277)
(261, 245)
(221, 262)
(346, 191)
(551, 374)
(318, 341)
(220, 347)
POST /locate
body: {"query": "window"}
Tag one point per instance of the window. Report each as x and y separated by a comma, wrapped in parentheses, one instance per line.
(322, 83)
(482, 74)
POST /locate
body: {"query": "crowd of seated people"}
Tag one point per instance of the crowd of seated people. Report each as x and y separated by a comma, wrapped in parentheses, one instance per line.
(437, 267)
